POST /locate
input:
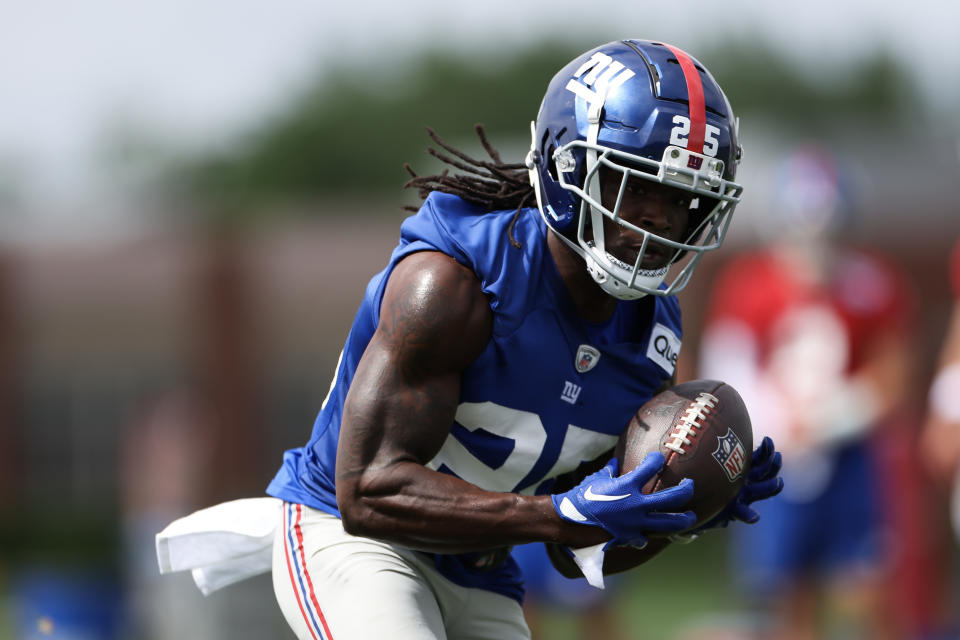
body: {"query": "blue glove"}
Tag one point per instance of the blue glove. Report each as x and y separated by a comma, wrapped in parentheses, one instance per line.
(618, 505)
(762, 482)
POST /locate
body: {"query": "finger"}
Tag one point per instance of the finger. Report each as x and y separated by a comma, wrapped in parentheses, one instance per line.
(671, 498)
(762, 453)
(638, 542)
(767, 468)
(775, 464)
(613, 467)
(670, 522)
(763, 490)
(778, 488)
(648, 467)
(766, 448)
(744, 513)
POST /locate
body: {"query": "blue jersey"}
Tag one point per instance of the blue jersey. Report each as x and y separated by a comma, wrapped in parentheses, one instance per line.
(548, 392)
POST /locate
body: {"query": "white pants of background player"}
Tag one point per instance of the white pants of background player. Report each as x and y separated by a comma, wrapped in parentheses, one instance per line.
(334, 586)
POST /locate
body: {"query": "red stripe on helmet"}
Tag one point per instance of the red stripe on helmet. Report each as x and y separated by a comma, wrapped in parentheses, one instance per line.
(698, 113)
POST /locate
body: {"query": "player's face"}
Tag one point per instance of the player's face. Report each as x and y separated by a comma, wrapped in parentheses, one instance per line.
(659, 209)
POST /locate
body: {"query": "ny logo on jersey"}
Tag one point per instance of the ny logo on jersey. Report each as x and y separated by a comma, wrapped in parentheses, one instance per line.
(730, 455)
(601, 72)
(570, 392)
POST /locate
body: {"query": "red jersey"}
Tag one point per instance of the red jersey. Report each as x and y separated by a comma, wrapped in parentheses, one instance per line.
(861, 297)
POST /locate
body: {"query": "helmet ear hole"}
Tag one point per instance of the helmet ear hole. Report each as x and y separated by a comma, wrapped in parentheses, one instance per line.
(551, 163)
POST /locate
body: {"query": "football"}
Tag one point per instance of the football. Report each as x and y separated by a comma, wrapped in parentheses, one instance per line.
(703, 429)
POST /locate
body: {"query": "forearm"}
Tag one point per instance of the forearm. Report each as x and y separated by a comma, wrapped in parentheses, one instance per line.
(418, 508)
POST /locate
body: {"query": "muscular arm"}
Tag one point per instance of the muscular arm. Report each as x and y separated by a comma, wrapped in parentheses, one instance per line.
(434, 321)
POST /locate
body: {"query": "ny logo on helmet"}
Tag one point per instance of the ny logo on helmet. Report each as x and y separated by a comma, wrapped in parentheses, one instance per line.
(601, 72)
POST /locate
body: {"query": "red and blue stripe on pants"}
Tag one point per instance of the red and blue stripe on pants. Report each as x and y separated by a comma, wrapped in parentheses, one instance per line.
(299, 576)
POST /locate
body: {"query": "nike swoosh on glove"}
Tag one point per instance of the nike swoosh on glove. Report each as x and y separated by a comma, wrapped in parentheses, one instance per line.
(619, 506)
(762, 482)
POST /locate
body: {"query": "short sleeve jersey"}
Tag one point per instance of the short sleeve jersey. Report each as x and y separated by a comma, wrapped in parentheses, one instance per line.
(549, 392)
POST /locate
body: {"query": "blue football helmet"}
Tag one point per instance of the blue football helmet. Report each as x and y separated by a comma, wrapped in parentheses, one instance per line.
(645, 110)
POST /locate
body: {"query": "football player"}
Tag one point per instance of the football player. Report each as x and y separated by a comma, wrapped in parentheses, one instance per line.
(813, 334)
(940, 444)
(942, 432)
(525, 315)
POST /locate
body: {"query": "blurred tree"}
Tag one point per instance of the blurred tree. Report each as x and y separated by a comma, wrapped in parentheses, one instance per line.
(820, 92)
(351, 131)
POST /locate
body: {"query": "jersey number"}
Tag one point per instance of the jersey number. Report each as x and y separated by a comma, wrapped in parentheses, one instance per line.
(678, 135)
(528, 436)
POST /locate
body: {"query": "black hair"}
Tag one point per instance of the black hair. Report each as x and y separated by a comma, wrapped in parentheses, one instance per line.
(492, 183)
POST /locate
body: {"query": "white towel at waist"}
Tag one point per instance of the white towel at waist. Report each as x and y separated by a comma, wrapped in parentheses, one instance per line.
(221, 544)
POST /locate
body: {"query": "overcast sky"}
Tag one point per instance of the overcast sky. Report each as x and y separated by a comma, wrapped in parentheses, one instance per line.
(184, 69)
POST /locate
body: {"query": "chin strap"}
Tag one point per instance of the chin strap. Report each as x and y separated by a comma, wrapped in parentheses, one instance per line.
(615, 275)
(609, 283)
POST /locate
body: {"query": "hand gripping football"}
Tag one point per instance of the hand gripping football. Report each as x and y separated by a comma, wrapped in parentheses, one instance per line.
(703, 430)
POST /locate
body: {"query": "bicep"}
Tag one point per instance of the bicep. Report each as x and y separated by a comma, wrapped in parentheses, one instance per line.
(434, 321)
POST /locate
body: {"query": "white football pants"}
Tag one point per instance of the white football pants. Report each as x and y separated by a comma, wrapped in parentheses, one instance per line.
(334, 586)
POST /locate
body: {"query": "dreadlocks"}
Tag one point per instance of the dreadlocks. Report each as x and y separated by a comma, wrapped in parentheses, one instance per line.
(489, 183)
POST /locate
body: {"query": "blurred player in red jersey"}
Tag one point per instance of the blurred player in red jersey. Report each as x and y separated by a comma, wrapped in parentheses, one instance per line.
(812, 334)
(941, 433)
